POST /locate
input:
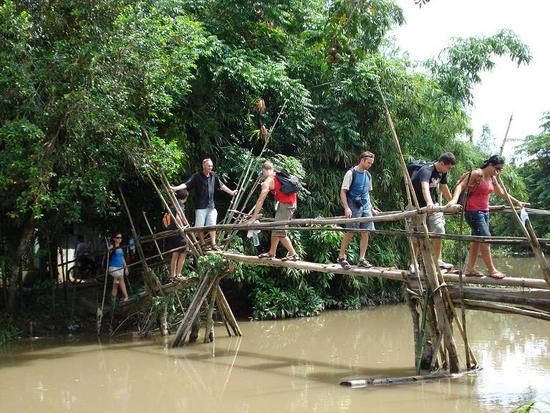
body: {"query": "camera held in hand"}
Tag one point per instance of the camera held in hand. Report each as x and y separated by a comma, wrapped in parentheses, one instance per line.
(357, 202)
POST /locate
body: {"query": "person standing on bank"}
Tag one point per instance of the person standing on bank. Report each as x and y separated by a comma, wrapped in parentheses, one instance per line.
(117, 267)
(205, 183)
(481, 183)
(285, 207)
(425, 181)
(355, 197)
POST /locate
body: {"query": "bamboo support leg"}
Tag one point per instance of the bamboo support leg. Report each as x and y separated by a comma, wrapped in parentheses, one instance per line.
(209, 330)
(229, 313)
(163, 321)
(192, 312)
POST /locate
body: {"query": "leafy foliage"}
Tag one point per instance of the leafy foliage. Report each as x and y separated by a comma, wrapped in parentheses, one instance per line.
(536, 171)
(92, 90)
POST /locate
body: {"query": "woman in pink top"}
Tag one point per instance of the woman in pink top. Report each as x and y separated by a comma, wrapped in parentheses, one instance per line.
(481, 183)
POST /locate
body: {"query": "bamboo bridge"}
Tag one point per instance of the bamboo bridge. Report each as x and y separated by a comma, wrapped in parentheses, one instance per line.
(431, 296)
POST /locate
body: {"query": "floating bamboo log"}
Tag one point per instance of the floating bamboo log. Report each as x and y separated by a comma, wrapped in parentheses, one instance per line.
(384, 381)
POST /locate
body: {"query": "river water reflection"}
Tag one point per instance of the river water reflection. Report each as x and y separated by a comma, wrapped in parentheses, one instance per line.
(279, 366)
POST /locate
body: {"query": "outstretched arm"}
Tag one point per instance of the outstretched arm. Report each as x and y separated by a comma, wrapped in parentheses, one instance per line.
(177, 188)
(260, 202)
(228, 191)
(502, 194)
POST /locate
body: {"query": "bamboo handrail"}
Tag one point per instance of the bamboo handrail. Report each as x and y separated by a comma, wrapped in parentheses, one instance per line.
(530, 234)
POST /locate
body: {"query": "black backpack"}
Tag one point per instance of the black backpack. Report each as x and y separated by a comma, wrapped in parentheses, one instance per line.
(413, 167)
(290, 184)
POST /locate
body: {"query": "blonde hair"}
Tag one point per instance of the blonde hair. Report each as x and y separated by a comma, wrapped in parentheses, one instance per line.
(268, 166)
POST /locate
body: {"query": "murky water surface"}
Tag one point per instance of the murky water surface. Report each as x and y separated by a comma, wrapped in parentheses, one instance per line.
(279, 366)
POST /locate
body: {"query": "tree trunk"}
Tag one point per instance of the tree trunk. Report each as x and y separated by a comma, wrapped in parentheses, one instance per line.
(14, 265)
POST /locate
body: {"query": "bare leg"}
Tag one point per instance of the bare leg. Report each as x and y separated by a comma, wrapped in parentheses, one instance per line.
(363, 245)
(274, 245)
(180, 262)
(288, 245)
(437, 249)
(114, 291)
(123, 289)
(212, 237)
(201, 238)
(472, 256)
(345, 243)
(173, 263)
(487, 258)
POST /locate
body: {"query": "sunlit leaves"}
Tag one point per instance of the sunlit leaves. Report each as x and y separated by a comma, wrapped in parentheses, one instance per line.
(458, 67)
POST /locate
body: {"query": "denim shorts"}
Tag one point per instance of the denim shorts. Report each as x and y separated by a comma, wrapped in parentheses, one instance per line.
(364, 211)
(205, 217)
(478, 222)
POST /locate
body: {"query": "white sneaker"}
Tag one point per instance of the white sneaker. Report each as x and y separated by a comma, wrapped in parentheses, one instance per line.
(412, 270)
(444, 265)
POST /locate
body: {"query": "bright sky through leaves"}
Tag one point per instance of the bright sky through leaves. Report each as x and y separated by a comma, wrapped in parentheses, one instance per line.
(507, 89)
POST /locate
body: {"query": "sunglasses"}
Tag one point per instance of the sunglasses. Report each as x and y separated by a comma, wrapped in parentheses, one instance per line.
(117, 237)
(498, 168)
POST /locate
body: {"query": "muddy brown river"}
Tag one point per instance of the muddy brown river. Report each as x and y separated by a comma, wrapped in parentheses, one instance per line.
(278, 366)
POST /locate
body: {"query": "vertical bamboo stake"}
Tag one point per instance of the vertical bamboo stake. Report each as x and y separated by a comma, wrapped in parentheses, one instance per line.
(152, 282)
(209, 329)
(427, 256)
(531, 236)
(506, 135)
(152, 233)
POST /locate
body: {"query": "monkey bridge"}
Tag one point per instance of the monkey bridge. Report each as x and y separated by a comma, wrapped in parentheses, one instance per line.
(431, 296)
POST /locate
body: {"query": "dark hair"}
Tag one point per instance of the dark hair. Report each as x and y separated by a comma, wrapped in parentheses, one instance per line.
(182, 194)
(448, 158)
(493, 160)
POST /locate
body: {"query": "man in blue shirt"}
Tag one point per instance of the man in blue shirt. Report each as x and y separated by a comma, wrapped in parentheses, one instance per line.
(355, 197)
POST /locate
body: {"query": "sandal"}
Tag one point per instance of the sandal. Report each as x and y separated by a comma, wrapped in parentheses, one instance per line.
(344, 263)
(364, 263)
(290, 258)
(473, 273)
(215, 247)
(496, 274)
(266, 256)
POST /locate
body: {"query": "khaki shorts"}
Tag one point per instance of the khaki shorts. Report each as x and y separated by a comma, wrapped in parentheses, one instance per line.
(284, 213)
(435, 222)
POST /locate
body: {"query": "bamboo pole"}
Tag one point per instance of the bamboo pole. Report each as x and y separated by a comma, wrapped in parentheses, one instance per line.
(431, 270)
(152, 282)
(530, 234)
(506, 134)
(505, 309)
(152, 233)
(209, 328)
(192, 312)
(375, 381)
(386, 273)
(228, 312)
